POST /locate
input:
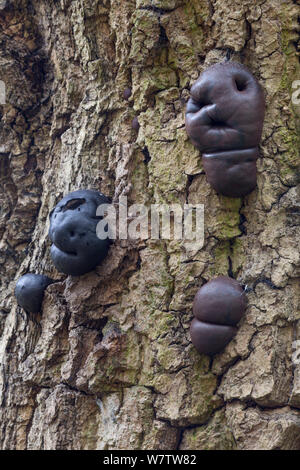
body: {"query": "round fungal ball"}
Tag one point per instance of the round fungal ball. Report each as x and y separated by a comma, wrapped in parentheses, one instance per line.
(221, 300)
(29, 291)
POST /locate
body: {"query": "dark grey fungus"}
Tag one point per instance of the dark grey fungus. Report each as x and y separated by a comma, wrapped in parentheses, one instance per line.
(127, 93)
(29, 291)
(135, 124)
(76, 248)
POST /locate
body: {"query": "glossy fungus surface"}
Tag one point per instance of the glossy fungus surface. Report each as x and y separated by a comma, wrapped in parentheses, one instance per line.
(218, 306)
(29, 291)
(76, 248)
(224, 119)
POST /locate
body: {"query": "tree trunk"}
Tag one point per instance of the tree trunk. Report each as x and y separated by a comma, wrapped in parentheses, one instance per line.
(108, 363)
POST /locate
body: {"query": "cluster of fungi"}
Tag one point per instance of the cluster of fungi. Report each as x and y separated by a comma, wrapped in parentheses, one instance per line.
(224, 120)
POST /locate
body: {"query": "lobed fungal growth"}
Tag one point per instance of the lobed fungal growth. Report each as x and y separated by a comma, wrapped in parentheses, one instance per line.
(218, 306)
(224, 119)
(76, 248)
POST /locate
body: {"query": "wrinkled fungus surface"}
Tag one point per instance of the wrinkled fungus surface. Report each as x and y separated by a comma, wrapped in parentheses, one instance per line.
(224, 119)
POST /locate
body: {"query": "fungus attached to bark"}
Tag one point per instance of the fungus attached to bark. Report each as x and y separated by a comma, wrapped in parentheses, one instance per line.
(135, 123)
(218, 306)
(224, 119)
(127, 93)
(29, 291)
(76, 248)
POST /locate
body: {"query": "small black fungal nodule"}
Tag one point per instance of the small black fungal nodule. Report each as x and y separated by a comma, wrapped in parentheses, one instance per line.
(127, 93)
(218, 306)
(76, 248)
(29, 291)
(135, 123)
(224, 119)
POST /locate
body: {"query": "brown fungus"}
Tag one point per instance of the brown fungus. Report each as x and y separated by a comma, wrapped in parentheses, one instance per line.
(218, 306)
(224, 119)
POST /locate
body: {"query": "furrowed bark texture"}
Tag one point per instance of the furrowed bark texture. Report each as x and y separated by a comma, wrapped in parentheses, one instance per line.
(108, 364)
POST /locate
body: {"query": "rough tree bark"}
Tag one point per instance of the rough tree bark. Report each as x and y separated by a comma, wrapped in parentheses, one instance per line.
(108, 364)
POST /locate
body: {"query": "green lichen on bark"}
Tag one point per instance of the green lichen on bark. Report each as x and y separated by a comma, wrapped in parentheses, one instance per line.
(109, 364)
